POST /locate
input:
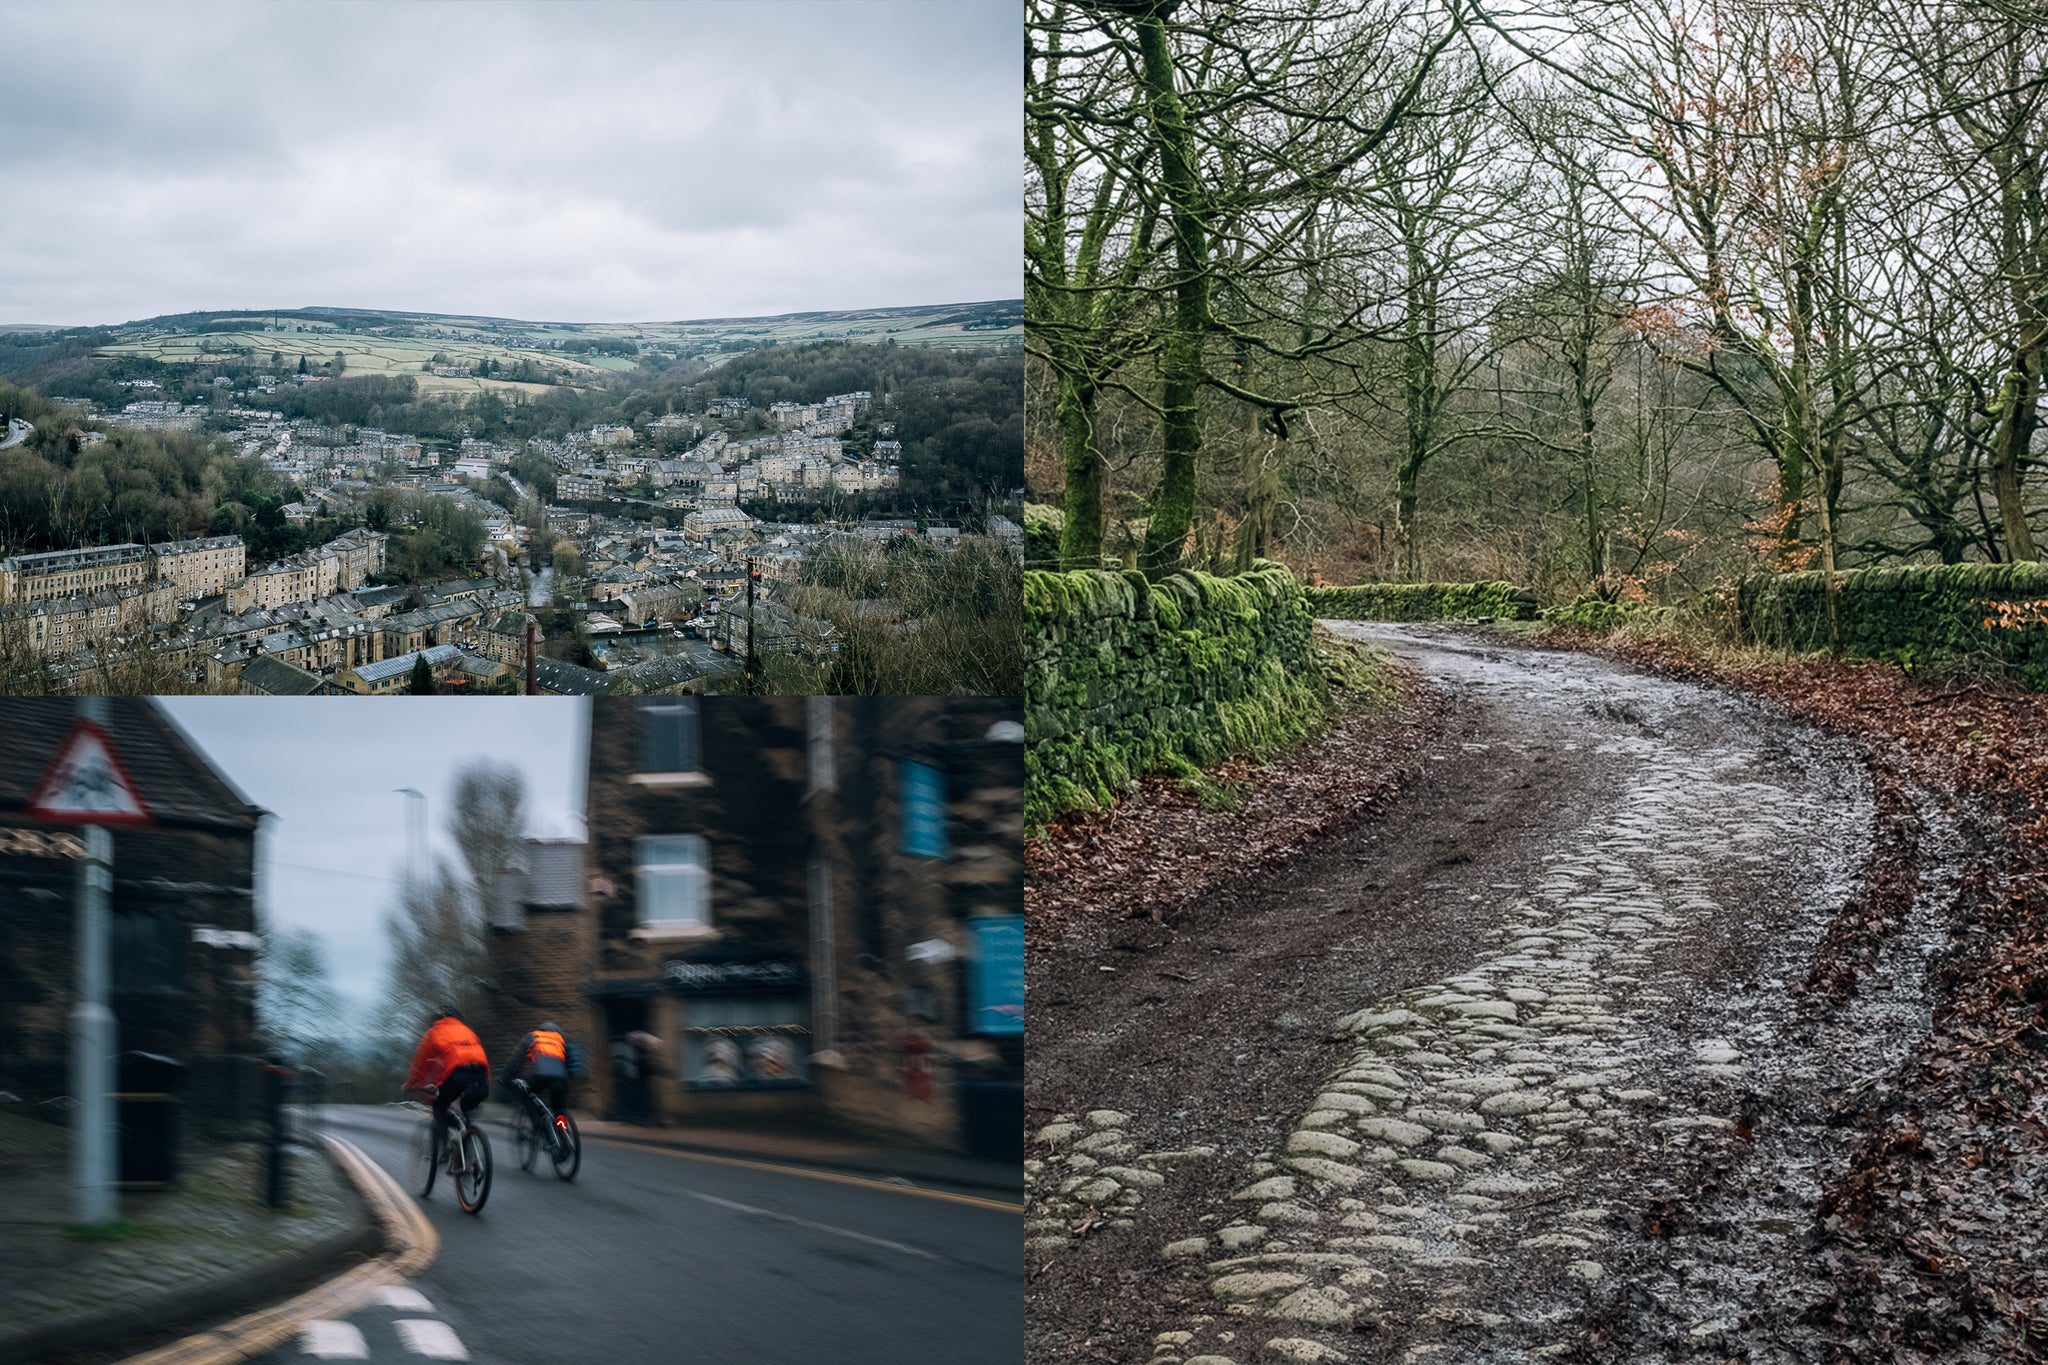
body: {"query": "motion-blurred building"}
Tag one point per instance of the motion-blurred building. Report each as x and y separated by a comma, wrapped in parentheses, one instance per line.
(794, 906)
(183, 926)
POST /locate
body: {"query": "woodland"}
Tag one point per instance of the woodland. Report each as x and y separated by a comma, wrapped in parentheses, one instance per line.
(1624, 299)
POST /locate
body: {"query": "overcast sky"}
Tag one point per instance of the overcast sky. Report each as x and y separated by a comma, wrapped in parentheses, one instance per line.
(574, 162)
(326, 768)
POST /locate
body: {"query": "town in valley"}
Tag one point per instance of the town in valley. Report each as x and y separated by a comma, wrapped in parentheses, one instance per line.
(317, 502)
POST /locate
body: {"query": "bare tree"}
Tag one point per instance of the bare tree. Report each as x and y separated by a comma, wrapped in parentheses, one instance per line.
(486, 823)
(296, 1003)
(437, 950)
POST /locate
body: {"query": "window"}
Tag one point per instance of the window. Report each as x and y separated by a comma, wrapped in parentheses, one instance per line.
(671, 750)
(675, 881)
(922, 792)
(146, 951)
(753, 1042)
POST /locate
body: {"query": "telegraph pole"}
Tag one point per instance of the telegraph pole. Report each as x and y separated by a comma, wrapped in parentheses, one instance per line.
(753, 661)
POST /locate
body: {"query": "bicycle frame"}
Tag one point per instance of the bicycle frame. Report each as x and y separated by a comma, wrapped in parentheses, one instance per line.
(537, 1123)
(460, 1135)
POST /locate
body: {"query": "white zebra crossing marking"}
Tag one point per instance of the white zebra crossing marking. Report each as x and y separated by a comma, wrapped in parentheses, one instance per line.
(333, 1340)
(403, 1296)
(428, 1337)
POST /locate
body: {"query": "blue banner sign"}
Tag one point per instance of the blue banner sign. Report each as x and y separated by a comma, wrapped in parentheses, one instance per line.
(996, 1001)
(924, 809)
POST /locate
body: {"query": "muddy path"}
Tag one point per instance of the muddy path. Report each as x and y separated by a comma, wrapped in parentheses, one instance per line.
(1545, 1062)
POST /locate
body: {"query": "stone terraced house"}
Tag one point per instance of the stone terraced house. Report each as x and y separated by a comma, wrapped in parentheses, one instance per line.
(183, 925)
(814, 903)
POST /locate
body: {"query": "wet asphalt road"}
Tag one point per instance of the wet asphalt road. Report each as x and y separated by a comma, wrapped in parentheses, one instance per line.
(660, 1256)
(1559, 973)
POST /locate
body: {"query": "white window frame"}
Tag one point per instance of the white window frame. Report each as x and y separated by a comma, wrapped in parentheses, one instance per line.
(697, 896)
(694, 718)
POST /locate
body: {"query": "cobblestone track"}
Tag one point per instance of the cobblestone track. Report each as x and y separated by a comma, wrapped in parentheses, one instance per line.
(1447, 1195)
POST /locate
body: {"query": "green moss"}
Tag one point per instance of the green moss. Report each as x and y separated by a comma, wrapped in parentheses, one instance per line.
(1422, 602)
(1129, 677)
(1928, 616)
(1593, 613)
(1042, 527)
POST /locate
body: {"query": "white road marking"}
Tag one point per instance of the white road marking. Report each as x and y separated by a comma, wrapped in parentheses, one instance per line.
(429, 1337)
(815, 1227)
(333, 1340)
(403, 1296)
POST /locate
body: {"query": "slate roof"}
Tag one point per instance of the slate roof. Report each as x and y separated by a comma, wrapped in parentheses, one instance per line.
(391, 668)
(276, 678)
(565, 679)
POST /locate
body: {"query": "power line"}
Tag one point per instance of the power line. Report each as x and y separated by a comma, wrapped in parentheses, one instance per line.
(337, 872)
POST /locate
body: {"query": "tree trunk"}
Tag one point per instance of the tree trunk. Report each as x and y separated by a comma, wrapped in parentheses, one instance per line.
(2015, 438)
(1081, 534)
(1173, 506)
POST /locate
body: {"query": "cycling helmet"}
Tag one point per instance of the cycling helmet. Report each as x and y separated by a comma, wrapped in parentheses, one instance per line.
(550, 1027)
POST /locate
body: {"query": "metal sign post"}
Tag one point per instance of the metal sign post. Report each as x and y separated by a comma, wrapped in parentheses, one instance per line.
(92, 1040)
(87, 784)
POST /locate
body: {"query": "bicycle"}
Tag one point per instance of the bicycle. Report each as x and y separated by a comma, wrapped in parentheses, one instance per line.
(468, 1158)
(535, 1128)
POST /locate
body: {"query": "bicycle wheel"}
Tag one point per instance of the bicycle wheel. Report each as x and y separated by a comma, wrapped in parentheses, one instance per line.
(423, 1164)
(567, 1148)
(525, 1138)
(473, 1185)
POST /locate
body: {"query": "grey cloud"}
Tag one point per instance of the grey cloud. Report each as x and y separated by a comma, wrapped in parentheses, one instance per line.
(574, 161)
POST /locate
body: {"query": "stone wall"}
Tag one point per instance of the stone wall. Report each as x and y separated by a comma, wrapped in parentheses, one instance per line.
(1422, 602)
(1125, 677)
(1923, 615)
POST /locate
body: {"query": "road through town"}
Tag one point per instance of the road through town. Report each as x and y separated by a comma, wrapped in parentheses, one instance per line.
(657, 1255)
(1528, 1068)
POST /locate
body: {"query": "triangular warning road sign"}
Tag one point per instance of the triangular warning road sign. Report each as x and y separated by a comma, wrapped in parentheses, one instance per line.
(87, 784)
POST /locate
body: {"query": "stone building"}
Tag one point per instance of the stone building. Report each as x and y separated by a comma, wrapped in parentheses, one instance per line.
(814, 903)
(201, 568)
(64, 625)
(183, 924)
(341, 565)
(72, 573)
(442, 623)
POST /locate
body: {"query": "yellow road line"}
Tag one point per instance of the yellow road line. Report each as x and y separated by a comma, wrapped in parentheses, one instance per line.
(974, 1201)
(414, 1244)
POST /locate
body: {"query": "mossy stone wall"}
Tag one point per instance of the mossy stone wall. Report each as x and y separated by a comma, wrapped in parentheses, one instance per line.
(1125, 677)
(1042, 527)
(1422, 602)
(1923, 615)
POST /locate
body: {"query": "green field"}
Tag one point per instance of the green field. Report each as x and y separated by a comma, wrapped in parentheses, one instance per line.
(363, 354)
(389, 343)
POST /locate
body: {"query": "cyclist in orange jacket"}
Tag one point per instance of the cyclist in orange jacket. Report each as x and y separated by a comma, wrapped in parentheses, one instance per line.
(546, 1051)
(450, 1062)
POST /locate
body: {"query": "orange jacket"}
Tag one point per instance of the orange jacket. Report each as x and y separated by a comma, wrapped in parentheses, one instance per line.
(546, 1044)
(448, 1043)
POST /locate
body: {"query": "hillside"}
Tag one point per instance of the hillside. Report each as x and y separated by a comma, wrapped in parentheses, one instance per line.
(381, 342)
